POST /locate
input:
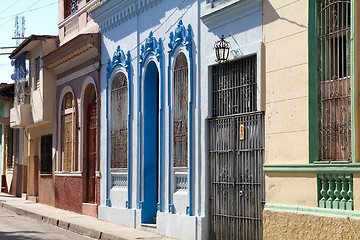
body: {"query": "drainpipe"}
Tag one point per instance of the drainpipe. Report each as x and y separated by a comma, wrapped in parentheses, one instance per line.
(161, 108)
(128, 68)
(190, 114)
(108, 204)
(171, 206)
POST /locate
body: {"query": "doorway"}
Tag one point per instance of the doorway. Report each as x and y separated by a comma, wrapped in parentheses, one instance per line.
(150, 144)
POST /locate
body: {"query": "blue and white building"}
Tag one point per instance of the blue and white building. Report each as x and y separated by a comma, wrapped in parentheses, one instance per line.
(158, 80)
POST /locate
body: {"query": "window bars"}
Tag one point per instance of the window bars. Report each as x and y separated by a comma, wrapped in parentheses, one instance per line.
(119, 131)
(234, 87)
(180, 113)
(334, 80)
(46, 154)
(37, 73)
(70, 7)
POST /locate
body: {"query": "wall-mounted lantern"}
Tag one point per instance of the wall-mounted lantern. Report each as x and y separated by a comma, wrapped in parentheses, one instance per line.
(222, 49)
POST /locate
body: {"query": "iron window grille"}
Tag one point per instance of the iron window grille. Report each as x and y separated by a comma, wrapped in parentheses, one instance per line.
(118, 123)
(334, 28)
(235, 87)
(70, 7)
(180, 111)
(37, 73)
(46, 154)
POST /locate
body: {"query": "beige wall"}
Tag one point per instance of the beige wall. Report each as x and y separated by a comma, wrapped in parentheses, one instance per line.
(291, 189)
(43, 98)
(285, 39)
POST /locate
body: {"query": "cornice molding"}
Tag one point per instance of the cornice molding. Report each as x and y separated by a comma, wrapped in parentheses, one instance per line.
(119, 59)
(151, 47)
(180, 37)
(113, 13)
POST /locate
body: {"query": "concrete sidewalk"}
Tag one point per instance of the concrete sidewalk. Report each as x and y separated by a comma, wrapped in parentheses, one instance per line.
(84, 225)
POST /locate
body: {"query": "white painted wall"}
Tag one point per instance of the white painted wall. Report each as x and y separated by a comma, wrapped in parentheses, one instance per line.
(241, 25)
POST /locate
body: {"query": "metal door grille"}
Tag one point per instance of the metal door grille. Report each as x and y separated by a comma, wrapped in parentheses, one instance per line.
(334, 76)
(9, 146)
(92, 151)
(236, 152)
(119, 101)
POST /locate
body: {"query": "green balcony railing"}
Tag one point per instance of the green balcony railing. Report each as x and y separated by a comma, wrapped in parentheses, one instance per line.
(336, 191)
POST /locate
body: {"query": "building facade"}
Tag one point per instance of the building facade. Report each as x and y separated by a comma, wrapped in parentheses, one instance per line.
(7, 97)
(312, 119)
(170, 111)
(75, 65)
(32, 116)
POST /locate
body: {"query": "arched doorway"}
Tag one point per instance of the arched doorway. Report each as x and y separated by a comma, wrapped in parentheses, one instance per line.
(150, 143)
(90, 150)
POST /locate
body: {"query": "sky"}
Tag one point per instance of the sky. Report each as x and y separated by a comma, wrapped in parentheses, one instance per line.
(41, 18)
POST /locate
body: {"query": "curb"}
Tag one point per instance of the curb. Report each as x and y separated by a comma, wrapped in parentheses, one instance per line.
(61, 224)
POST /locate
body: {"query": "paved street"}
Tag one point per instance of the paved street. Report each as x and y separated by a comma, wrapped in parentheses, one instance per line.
(13, 226)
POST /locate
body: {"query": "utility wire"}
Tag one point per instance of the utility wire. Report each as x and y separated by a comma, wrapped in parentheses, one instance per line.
(10, 6)
(25, 11)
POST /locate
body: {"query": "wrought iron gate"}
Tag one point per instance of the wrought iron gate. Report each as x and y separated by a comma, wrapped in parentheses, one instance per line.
(236, 151)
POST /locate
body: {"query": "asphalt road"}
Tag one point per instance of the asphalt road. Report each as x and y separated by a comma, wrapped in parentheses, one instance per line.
(17, 227)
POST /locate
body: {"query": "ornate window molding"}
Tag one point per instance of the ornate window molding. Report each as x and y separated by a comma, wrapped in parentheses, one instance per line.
(119, 65)
(181, 43)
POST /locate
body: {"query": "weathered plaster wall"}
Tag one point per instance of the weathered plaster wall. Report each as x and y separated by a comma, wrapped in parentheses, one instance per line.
(291, 189)
(68, 193)
(286, 225)
(46, 190)
(286, 125)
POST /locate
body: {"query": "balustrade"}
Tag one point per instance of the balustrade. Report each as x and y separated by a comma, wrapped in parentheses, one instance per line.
(119, 180)
(181, 181)
(336, 191)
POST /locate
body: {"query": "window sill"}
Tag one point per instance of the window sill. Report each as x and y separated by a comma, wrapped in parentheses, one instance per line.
(68, 174)
(313, 168)
(45, 174)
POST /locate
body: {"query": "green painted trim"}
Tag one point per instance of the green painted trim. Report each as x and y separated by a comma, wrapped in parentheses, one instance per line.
(312, 168)
(312, 210)
(352, 81)
(313, 83)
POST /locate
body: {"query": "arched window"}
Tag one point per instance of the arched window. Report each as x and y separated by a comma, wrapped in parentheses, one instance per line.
(68, 162)
(180, 111)
(118, 121)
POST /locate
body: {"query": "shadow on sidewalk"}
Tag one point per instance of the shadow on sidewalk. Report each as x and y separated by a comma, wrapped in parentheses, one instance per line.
(19, 235)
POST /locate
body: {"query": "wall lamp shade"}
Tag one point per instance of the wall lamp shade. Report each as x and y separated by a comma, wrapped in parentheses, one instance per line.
(222, 49)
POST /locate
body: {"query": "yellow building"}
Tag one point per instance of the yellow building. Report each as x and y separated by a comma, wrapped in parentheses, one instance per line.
(311, 137)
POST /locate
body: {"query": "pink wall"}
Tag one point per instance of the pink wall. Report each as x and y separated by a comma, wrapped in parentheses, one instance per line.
(69, 192)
